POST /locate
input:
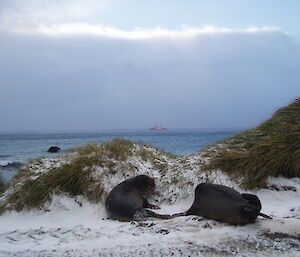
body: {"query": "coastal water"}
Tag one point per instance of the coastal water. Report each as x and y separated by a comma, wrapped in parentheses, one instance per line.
(18, 148)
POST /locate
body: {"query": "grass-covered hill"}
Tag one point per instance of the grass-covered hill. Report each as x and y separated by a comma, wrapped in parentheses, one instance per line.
(271, 149)
(91, 171)
(85, 171)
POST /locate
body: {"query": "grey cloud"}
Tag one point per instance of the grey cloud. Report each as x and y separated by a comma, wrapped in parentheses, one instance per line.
(88, 82)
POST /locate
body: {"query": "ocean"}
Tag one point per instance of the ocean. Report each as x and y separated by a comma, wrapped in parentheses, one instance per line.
(17, 148)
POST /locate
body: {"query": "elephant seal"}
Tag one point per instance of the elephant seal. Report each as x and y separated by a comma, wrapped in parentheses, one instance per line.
(128, 200)
(224, 204)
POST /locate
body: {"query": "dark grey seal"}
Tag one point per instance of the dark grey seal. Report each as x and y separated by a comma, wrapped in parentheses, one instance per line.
(53, 149)
(128, 200)
(224, 204)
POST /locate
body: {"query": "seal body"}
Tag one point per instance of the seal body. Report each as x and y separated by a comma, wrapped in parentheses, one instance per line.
(128, 200)
(224, 204)
(53, 149)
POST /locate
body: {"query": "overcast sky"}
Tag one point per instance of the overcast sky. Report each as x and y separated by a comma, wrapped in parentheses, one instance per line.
(90, 64)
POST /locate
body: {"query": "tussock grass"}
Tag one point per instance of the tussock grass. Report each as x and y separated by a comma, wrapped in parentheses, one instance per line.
(3, 185)
(146, 155)
(271, 149)
(70, 178)
(74, 178)
(85, 171)
(119, 149)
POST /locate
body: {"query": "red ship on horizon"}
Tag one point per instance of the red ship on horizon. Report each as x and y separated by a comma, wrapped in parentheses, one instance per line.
(158, 128)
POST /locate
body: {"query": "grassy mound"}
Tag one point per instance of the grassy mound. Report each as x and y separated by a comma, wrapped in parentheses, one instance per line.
(271, 149)
(87, 174)
(3, 185)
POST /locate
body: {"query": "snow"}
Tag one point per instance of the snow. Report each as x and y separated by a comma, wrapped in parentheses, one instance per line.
(74, 227)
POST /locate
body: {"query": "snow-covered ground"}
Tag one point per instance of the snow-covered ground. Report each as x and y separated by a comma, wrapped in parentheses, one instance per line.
(74, 227)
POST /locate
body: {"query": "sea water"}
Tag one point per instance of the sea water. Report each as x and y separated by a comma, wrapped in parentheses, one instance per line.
(18, 148)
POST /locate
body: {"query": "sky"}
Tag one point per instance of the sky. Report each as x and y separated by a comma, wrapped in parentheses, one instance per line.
(99, 64)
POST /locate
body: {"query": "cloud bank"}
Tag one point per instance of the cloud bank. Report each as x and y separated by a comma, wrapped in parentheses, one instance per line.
(81, 76)
(81, 29)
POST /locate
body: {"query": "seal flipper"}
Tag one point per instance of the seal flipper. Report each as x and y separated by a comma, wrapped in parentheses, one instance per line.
(265, 216)
(142, 214)
(190, 211)
(179, 214)
(150, 206)
(156, 215)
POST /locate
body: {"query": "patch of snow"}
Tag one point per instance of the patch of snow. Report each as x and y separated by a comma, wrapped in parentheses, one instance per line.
(74, 227)
(284, 203)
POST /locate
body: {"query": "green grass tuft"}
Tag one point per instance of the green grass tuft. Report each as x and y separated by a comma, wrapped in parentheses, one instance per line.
(3, 185)
(271, 149)
(73, 178)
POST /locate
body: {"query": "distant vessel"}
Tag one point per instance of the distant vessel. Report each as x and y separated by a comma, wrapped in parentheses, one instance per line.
(158, 128)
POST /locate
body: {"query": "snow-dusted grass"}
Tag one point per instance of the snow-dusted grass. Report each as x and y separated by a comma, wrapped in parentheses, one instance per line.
(93, 170)
(89, 171)
(271, 149)
(78, 228)
(72, 225)
(3, 185)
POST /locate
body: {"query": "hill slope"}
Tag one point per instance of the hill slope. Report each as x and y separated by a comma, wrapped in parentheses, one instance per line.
(271, 149)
